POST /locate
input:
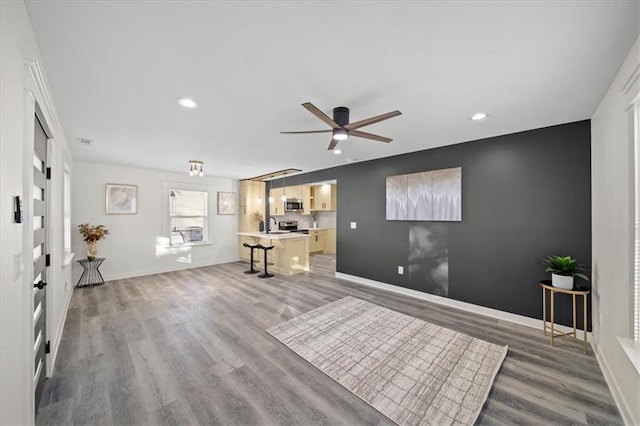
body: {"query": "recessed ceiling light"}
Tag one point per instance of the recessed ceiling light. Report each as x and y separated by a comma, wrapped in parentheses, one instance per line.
(479, 116)
(187, 103)
(337, 151)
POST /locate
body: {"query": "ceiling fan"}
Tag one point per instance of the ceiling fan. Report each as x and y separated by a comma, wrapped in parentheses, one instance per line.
(341, 128)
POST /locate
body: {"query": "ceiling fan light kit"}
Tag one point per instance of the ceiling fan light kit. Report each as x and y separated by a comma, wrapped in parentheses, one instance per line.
(341, 129)
(340, 134)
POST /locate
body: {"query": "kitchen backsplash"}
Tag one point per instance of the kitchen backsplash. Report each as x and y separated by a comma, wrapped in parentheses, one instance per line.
(325, 219)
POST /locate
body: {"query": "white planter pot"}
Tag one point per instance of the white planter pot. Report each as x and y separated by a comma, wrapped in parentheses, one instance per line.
(562, 281)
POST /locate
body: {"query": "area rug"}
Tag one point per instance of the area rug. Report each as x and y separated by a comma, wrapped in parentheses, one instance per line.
(413, 372)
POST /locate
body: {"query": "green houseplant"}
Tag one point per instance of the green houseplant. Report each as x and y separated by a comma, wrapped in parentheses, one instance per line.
(563, 269)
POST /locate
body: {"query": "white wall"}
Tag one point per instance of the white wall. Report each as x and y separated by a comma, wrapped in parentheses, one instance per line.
(132, 247)
(612, 201)
(23, 89)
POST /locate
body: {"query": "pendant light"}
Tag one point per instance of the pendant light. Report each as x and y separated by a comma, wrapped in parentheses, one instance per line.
(270, 196)
(284, 188)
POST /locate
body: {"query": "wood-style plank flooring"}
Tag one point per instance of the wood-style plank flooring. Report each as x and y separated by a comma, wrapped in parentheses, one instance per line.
(190, 347)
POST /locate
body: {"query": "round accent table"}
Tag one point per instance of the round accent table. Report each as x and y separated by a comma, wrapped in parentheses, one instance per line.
(546, 286)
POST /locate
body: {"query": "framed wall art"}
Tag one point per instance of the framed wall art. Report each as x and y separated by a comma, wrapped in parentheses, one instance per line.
(226, 203)
(121, 199)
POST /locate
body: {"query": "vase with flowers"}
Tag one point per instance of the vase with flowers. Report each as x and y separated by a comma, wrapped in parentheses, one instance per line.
(91, 234)
(314, 216)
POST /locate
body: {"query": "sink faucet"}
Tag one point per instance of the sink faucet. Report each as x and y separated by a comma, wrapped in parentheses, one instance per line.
(275, 222)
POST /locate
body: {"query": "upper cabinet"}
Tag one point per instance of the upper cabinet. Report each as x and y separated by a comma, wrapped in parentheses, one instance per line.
(294, 192)
(251, 205)
(324, 197)
(276, 208)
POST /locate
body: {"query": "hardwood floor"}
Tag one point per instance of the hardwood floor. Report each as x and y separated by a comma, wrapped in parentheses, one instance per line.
(190, 347)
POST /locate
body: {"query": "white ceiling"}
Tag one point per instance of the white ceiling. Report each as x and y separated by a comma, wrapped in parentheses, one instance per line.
(117, 67)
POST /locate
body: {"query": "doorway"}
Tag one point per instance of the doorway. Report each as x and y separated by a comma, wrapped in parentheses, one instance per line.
(40, 258)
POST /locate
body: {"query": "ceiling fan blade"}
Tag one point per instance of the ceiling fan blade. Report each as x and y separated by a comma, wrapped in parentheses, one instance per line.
(372, 120)
(366, 135)
(321, 115)
(306, 131)
(332, 144)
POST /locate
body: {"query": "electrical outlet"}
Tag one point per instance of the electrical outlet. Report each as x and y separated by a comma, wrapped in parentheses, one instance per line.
(401, 270)
(353, 225)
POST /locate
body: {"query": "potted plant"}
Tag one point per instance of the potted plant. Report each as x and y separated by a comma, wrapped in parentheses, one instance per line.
(563, 269)
(315, 215)
(258, 216)
(91, 235)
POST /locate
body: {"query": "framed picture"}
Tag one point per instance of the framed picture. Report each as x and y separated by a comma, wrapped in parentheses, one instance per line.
(121, 199)
(226, 203)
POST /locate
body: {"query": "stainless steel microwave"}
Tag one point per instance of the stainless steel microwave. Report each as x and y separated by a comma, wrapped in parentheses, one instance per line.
(293, 205)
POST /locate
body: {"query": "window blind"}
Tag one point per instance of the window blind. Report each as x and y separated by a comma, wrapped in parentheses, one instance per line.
(188, 214)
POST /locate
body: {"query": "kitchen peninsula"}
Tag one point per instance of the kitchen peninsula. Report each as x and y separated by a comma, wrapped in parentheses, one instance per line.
(290, 254)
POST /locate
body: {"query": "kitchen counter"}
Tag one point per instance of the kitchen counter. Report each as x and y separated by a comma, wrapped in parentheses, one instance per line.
(289, 256)
(276, 236)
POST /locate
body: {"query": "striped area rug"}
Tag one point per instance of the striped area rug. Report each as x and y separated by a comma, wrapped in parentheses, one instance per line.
(413, 372)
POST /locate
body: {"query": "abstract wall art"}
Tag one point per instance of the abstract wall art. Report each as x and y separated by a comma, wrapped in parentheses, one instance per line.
(428, 262)
(426, 196)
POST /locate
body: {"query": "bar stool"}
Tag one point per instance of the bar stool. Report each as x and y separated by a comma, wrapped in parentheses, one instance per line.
(252, 246)
(266, 274)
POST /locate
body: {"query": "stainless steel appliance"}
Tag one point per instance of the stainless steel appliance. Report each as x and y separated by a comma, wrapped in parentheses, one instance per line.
(293, 205)
(291, 226)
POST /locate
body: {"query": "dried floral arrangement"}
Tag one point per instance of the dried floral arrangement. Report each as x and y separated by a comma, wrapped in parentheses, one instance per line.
(92, 233)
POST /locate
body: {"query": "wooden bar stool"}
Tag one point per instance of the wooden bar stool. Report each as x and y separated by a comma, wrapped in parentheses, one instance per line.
(266, 274)
(252, 246)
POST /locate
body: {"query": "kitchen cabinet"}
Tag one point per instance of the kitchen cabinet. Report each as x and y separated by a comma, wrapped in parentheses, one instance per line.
(324, 197)
(306, 199)
(290, 253)
(316, 240)
(330, 241)
(276, 208)
(294, 192)
(251, 205)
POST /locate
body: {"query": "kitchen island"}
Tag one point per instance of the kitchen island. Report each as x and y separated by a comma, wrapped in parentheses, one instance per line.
(290, 254)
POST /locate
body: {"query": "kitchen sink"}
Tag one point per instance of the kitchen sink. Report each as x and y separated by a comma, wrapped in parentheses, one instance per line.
(277, 232)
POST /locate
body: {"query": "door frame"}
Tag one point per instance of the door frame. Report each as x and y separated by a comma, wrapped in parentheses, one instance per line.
(37, 102)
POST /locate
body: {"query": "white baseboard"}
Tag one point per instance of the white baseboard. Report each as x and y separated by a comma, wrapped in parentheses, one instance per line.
(176, 267)
(464, 306)
(623, 407)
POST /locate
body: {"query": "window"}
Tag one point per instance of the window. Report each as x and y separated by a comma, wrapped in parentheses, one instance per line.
(636, 188)
(187, 216)
(67, 210)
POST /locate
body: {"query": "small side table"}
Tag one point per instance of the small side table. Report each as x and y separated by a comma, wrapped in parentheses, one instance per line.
(546, 285)
(91, 274)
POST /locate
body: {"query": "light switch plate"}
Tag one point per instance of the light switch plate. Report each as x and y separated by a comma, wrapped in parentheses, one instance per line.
(353, 225)
(18, 266)
(401, 270)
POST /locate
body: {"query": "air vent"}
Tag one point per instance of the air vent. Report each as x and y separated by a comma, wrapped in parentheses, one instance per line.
(86, 142)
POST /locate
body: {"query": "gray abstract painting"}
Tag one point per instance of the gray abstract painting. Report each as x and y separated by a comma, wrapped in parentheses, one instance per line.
(434, 195)
(428, 263)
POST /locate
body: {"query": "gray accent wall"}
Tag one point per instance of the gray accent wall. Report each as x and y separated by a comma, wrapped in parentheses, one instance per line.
(524, 196)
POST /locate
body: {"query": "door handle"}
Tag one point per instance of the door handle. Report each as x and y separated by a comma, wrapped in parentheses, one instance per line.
(40, 285)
